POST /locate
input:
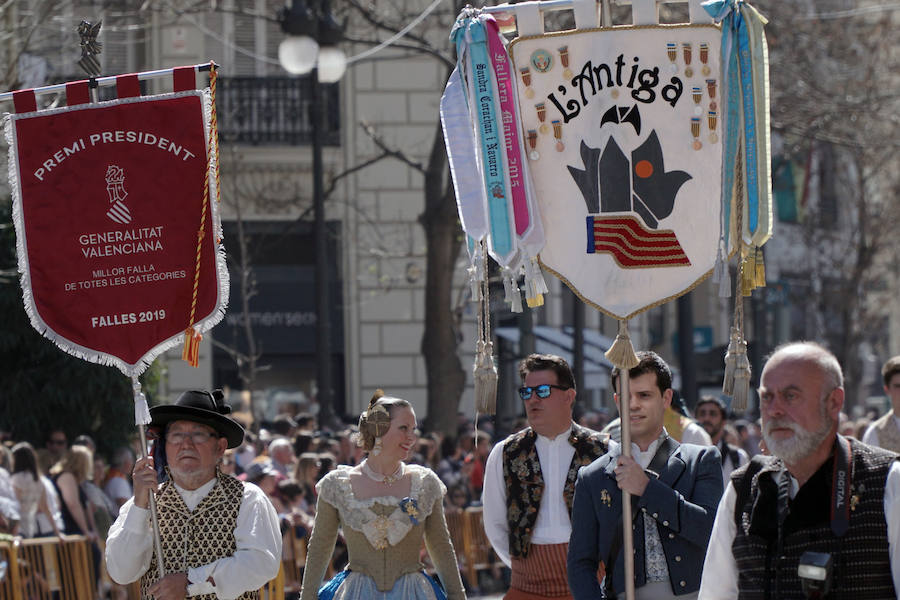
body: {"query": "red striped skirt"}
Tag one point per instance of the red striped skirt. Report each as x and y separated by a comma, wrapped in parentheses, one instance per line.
(541, 575)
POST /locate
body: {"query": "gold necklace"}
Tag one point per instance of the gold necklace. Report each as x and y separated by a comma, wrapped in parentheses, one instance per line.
(385, 479)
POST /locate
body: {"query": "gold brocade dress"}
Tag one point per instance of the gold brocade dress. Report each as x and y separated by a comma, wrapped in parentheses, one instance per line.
(384, 537)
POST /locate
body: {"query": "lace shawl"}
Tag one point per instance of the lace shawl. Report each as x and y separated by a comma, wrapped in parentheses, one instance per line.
(382, 530)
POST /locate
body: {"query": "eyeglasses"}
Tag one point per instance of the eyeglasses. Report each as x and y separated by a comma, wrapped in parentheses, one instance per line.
(543, 390)
(197, 437)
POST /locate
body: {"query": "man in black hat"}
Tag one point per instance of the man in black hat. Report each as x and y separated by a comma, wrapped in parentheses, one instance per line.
(220, 536)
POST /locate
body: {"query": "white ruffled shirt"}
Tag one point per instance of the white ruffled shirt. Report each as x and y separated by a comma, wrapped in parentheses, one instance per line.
(129, 546)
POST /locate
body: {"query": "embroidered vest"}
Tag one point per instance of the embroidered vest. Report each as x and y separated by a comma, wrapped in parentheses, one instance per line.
(525, 483)
(192, 539)
(888, 434)
(862, 568)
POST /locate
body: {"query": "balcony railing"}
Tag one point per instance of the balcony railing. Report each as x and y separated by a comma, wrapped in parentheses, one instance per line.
(269, 111)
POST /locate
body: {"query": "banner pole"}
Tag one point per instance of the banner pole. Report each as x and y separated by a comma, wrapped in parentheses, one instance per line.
(110, 80)
(142, 417)
(627, 530)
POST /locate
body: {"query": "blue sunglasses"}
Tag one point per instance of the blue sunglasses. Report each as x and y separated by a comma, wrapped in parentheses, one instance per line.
(542, 391)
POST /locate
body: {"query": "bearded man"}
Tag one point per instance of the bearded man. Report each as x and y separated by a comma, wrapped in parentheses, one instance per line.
(817, 492)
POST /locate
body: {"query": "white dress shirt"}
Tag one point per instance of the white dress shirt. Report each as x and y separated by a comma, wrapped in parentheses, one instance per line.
(256, 560)
(720, 574)
(553, 525)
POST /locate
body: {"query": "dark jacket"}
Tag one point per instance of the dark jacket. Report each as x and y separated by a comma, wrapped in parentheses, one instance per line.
(683, 501)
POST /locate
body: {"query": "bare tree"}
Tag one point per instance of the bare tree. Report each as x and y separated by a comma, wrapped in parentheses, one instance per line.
(835, 100)
(439, 219)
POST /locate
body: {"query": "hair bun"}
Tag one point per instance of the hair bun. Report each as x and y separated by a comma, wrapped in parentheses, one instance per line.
(379, 393)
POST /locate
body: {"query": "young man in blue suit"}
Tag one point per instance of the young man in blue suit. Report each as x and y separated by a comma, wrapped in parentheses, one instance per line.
(675, 489)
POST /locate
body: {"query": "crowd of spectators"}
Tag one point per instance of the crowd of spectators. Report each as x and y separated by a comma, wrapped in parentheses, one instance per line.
(56, 488)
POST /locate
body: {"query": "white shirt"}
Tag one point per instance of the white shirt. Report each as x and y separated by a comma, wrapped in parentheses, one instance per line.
(256, 560)
(44, 525)
(695, 434)
(720, 575)
(117, 487)
(553, 525)
(727, 465)
(870, 437)
(9, 504)
(654, 556)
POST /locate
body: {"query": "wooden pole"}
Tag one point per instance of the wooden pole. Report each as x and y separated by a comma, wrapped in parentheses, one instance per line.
(627, 531)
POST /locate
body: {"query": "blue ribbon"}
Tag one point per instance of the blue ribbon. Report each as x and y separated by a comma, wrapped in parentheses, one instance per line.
(738, 74)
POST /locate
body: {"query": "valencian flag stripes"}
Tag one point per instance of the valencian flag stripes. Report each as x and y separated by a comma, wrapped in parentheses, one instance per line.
(633, 245)
(115, 215)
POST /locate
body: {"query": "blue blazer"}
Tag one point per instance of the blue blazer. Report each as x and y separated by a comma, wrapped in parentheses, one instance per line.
(682, 501)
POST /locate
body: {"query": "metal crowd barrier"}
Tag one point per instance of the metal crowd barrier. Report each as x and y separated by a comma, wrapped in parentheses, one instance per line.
(46, 569)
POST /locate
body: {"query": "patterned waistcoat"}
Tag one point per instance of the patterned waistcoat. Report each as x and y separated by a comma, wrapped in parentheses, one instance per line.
(192, 539)
(861, 563)
(888, 434)
(525, 483)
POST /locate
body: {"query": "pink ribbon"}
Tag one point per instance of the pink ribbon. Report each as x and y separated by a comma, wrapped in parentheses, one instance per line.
(515, 164)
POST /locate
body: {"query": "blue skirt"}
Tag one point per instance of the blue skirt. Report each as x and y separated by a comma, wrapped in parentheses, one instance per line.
(348, 585)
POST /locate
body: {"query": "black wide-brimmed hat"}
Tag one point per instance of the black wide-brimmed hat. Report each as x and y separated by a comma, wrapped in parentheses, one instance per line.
(204, 407)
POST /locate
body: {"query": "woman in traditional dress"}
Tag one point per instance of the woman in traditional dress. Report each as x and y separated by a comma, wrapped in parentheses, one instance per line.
(385, 508)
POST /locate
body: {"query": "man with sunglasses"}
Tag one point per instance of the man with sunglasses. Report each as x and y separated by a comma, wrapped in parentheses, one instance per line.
(530, 481)
(675, 489)
(220, 537)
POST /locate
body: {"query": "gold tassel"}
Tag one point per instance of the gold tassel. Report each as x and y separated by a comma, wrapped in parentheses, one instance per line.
(536, 301)
(748, 273)
(621, 353)
(741, 393)
(747, 280)
(485, 376)
(190, 352)
(760, 273)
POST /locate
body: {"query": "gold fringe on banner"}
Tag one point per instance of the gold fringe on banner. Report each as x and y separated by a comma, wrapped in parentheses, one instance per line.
(621, 353)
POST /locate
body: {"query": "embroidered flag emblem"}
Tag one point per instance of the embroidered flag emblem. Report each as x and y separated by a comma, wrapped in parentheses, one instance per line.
(115, 189)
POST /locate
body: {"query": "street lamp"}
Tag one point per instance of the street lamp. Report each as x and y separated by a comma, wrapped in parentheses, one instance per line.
(311, 42)
(311, 47)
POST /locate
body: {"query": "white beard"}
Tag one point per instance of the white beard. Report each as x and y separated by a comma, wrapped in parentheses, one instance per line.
(801, 444)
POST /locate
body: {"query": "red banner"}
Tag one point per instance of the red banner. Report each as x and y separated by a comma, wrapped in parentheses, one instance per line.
(108, 202)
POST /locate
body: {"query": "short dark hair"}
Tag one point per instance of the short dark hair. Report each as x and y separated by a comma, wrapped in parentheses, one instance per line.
(890, 368)
(648, 362)
(711, 400)
(548, 362)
